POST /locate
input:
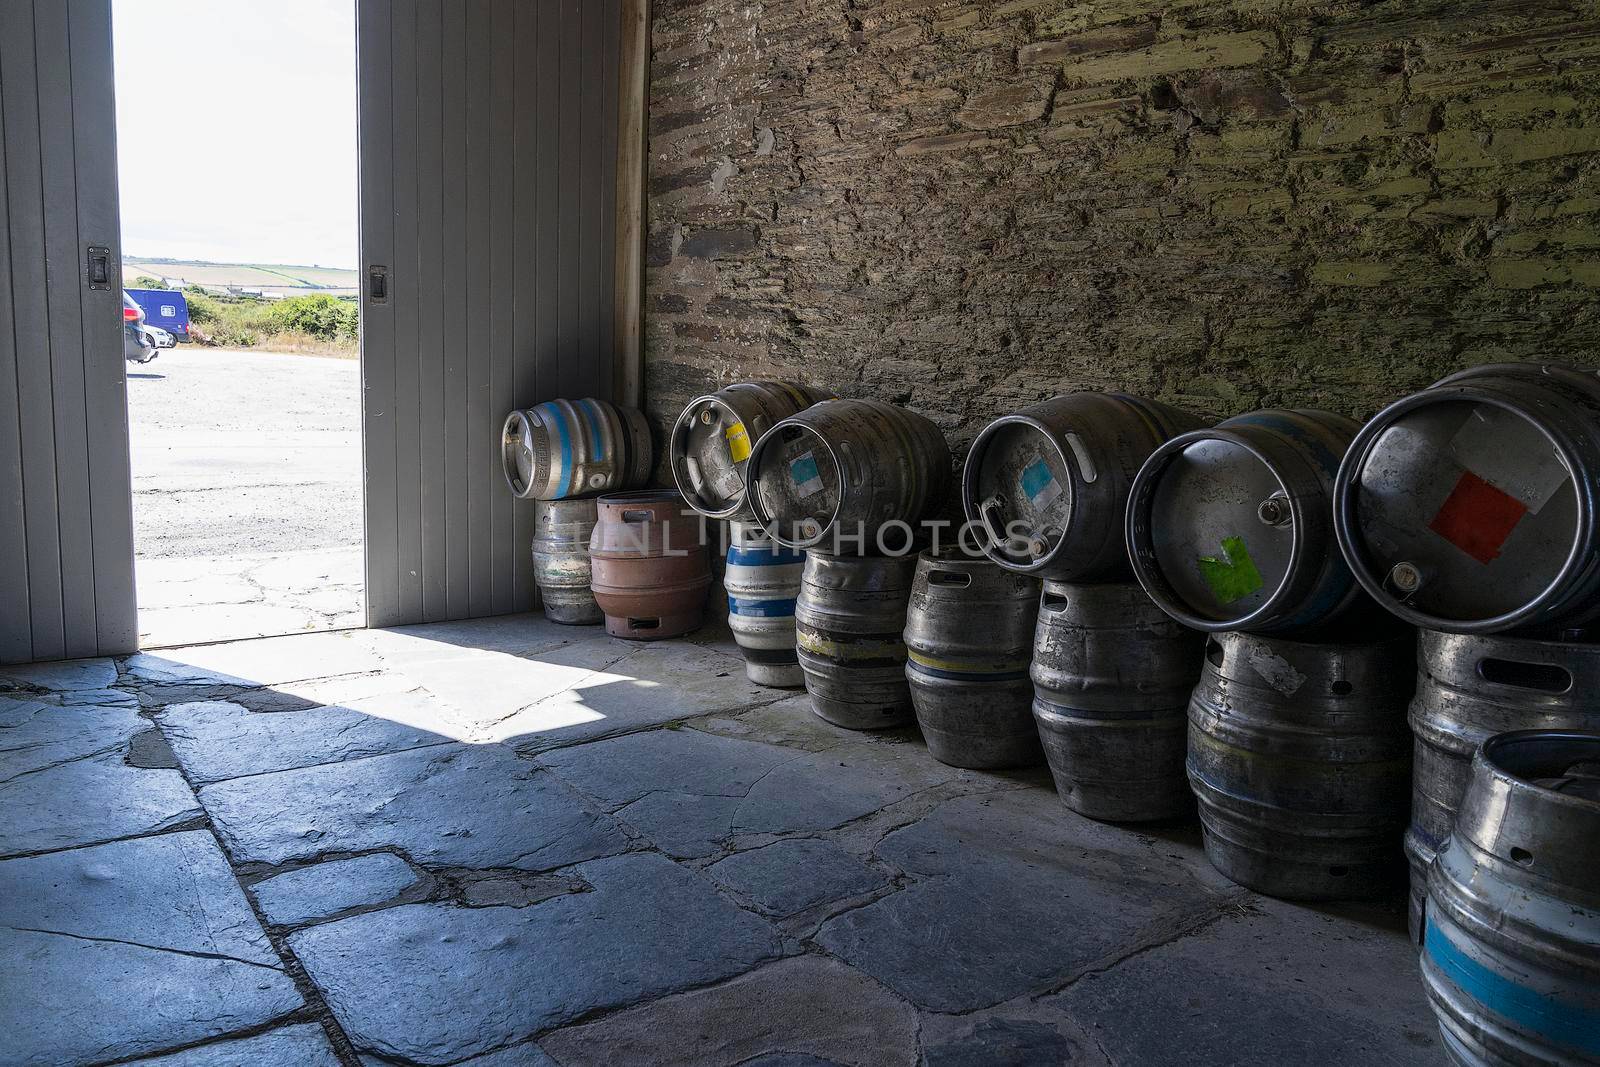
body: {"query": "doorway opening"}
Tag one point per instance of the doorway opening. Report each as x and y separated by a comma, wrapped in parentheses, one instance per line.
(237, 145)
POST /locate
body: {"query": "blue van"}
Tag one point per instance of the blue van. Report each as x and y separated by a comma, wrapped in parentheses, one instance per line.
(165, 308)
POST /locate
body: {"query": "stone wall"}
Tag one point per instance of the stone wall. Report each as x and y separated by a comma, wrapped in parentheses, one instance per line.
(964, 206)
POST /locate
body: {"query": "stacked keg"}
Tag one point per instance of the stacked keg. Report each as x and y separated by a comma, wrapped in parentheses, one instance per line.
(1297, 748)
(969, 639)
(561, 455)
(1468, 509)
(1045, 489)
(849, 481)
(709, 452)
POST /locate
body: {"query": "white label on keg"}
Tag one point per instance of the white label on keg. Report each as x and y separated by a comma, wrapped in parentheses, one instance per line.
(1276, 671)
(1509, 453)
(1038, 484)
(804, 474)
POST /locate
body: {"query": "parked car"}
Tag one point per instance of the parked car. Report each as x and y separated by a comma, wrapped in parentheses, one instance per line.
(165, 308)
(136, 345)
(158, 337)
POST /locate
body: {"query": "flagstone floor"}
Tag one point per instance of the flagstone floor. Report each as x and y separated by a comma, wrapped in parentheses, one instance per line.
(506, 842)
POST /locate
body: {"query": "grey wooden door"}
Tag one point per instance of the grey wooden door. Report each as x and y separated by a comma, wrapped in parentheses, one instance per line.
(488, 176)
(66, 526)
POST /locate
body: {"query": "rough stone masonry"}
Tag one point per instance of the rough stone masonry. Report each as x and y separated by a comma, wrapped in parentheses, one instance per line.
(964, 207)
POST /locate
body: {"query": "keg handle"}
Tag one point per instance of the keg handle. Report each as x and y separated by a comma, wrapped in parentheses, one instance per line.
(635, 516)
(1521, 674)
(952, 578)
(989, 512)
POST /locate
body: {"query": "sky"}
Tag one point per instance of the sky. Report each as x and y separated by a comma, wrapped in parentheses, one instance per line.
(236, 130)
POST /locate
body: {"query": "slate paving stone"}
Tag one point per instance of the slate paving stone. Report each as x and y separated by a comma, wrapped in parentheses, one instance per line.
(129, 949)
(1266, 985)
(434, 983)
(216, 740)
(789, 722)
(809, 1009)
(1003, 1042)
(325, 889)
(35, 734)
(485, 689)
(656, 683)
(1012, 893)
(806, 792)
(64, 782)
(62, 675)
(786, 877)
(518, 635)
(260, 662)
(447, 805)
(300, 1045)
(622, 770)
(690, 791)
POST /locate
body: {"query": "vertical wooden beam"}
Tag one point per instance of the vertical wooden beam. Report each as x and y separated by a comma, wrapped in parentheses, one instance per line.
(632, 110)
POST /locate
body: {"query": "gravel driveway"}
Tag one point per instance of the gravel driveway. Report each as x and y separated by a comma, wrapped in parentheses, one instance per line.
(247, 494)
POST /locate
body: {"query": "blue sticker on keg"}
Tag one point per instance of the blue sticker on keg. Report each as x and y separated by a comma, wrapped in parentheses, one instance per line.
(804, 474)
(1038, 484)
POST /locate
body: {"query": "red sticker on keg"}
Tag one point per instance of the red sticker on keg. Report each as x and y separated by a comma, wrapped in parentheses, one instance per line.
(1477, 517)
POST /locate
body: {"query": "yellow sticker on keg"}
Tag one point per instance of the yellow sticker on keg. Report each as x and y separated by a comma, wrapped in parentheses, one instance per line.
(738, 442)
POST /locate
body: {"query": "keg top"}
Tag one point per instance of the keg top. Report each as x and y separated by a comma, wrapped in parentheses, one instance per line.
(800, 502)
(710, 445)
(1462, 509)
(1222, 525)
(1021, 485)
(518, 451)
(1534, 802)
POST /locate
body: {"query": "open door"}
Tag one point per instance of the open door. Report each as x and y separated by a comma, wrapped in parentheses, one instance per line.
(66, 527)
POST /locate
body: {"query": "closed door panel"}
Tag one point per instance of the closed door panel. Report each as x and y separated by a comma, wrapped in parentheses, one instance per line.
(66, 527)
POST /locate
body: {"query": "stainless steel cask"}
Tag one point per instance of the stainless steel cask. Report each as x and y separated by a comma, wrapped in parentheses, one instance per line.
(969, 638)
(561, 567)
(1511, 953)
(762, 580)
(1470, 506)
(1470, 688)
(566, 448)
(1231, 528)
(1049, 484)
(1112, 674)
(850, 619)
(1301, 762)
(847, 467)
(713, 437)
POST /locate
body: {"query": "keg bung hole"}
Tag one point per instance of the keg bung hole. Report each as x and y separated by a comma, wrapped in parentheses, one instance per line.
(1214, 651)
(1341, 688)
(1542, 677)
(1521, 857)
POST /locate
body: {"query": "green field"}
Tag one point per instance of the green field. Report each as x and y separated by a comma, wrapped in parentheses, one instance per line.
(286, 277)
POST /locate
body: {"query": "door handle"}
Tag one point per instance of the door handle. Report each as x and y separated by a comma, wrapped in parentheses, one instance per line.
(378, 284)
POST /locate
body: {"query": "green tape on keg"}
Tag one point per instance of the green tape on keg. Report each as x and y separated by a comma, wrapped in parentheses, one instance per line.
(1233, 577)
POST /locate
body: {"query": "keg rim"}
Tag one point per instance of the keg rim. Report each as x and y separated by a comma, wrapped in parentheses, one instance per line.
(680, 431)
(1141, 549)
(969, 485)
(639, 496)
(509, 439)
(752, 469)
(1497, 754)
(1353, 548)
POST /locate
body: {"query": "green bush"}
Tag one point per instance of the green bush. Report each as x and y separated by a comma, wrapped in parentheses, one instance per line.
(319, 315)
